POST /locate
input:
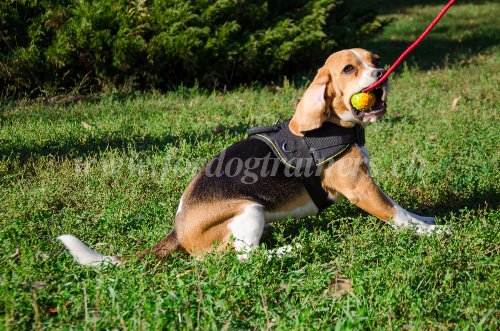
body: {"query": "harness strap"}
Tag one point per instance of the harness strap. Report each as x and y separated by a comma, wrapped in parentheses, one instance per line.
(360, 135)
(312, 184)
(262, 129)
(318, 195)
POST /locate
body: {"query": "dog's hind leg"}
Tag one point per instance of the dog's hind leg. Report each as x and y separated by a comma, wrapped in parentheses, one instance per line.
(246, 229)
(219, 225)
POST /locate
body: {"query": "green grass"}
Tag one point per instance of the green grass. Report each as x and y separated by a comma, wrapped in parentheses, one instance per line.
(111, 171)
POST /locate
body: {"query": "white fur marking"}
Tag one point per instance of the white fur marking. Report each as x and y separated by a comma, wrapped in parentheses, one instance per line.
(360, 59)
(83, 254)
(179, 209)
(366, 78)
(422, 225)
(346, 116)
(335, 196)
(246, 229)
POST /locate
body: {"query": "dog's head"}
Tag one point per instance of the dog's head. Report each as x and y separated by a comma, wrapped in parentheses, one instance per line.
(328, 98)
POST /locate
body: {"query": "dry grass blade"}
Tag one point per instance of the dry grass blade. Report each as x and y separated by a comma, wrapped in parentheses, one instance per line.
(86, 125)
(16, 254)
(454, 103)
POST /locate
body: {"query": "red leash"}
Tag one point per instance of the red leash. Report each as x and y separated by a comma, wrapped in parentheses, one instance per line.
(409, 49)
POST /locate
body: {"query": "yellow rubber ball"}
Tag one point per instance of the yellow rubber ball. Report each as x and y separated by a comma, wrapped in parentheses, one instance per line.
(363, 101)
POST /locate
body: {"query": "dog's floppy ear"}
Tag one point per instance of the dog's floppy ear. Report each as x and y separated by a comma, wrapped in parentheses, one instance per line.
(313, 108)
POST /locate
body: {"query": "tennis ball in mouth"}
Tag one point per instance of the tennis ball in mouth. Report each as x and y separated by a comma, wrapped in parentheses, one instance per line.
(363, 101)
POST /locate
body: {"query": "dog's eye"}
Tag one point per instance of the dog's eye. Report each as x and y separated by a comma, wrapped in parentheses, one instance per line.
(348, 69)
(376, 62)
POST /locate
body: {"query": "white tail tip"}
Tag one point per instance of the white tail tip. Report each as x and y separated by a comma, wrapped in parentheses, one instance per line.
(84, 255)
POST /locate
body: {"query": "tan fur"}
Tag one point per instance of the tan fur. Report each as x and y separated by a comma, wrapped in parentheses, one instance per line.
(338, 88)
(292, 207)
(313, 108)
(164, 248)
(298, 201)
(350, 177)
(201, 226)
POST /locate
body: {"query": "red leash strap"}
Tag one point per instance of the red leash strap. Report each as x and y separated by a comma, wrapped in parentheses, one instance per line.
(409, 49)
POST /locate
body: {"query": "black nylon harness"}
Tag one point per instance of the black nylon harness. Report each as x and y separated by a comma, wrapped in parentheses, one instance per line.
(307, 155)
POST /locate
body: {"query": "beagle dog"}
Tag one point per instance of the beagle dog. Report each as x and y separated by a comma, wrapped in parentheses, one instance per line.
(225, 211)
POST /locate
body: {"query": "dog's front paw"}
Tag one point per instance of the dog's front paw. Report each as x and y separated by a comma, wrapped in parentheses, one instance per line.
(283, 250)
(433, 229)
(424, 219)
(422, 224)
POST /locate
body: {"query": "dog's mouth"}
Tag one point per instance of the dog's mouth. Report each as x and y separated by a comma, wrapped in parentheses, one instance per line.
(378, 110)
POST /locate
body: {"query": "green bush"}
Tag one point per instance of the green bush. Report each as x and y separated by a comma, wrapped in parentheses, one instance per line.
(84, 45)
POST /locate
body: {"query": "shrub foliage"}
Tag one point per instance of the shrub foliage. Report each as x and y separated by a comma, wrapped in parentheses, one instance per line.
(83, 45)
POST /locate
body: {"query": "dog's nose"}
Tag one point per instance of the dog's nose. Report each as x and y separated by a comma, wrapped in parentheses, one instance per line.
(377, 73)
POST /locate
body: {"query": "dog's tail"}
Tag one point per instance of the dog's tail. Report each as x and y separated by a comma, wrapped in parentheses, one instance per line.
(84, 255)
(164, 248)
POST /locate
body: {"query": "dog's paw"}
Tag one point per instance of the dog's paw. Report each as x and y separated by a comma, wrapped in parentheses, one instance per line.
(433, 229)
(405, 219)
(425, 219)
(282, 251)
(242, 257)
(423, 225)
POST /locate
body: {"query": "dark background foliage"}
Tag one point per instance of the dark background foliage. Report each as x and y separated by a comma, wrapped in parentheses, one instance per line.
(49, 47)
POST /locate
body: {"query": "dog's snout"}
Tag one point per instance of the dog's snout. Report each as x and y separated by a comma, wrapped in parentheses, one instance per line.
(377, 73)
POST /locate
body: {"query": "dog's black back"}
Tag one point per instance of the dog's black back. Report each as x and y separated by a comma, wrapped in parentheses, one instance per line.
(246, 170)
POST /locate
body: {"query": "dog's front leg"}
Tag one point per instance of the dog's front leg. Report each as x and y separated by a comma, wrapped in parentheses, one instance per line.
(350, 176)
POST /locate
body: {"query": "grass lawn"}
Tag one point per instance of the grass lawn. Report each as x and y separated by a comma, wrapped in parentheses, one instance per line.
(111, 171)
